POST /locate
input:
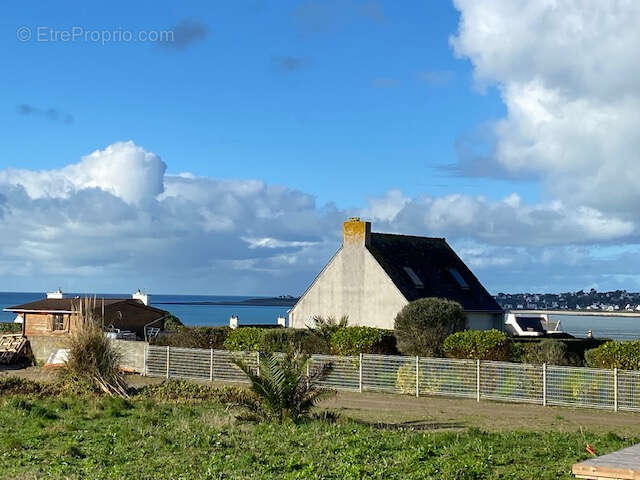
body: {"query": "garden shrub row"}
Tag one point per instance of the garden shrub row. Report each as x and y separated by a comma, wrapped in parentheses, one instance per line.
(623, 355)
(195, 337)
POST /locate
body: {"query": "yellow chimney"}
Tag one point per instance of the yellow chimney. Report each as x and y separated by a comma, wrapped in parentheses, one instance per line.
(356, 232)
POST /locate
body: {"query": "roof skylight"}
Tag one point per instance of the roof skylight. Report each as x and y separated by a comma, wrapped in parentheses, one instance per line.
(414, 278)
(458, 278)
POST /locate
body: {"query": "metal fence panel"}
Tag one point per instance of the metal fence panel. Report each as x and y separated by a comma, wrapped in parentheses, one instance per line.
(580, 387)
(629, 390)
(344, 374)
(190, 363)
(385, 373)
(225, 370)
(512, 382)
(156, 361)
(442, 376)
(568, 386)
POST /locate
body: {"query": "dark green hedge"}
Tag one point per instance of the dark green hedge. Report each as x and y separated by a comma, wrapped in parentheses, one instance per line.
(478, 344)
(195, 337)
(10, 327)
(624, 355)
(356, 340)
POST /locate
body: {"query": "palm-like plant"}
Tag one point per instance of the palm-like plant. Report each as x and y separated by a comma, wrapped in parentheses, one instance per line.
(283, 388)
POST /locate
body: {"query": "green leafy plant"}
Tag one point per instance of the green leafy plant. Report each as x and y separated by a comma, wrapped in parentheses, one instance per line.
(623, 355)
(356, 340)
(283, 388)
(549, 351)
(290, 340)
(422, 325)
(93, 361)
(195, 337)
(325, 327)
(478, 344)
(244, 339)
(173, 323)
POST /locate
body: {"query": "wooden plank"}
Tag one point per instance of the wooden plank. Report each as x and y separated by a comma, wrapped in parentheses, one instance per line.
(621, 465)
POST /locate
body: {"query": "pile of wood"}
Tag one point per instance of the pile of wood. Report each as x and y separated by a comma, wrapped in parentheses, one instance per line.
(11, 347)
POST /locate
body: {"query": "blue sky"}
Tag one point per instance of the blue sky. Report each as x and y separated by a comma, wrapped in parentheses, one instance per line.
(376, 99)
(224, 160)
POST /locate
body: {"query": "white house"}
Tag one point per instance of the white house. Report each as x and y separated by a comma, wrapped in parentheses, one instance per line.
(373, 275)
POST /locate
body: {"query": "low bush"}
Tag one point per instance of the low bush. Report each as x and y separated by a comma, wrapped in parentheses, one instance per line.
(549, 351)
(422, 325)
(12, 385)
(624, 355)
(356, 340)
(183, 391)
(478, 344)
(10, 327)
(292, 340)
(244, 339)
(195, 337)
(173, 323)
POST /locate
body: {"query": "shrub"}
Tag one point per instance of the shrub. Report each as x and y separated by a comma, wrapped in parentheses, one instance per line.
(10, 327)
(173, 323)
(478, 344)
(244, 339)
(422, 325)
(292, 340)
(325, 327)
(624, 355)
(356, 340)
(549, 351)
(183, 391)
(93, 361)
(20, 386)
(283, 388)
(195, 337)
(406, 379)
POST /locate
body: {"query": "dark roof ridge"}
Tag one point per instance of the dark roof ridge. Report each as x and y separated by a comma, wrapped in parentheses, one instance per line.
(409, 236)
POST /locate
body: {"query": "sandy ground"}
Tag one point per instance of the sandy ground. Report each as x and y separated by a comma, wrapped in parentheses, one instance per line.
(404, 411)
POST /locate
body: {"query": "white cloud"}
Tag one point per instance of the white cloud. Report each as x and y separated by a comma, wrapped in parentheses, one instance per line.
(567, 74)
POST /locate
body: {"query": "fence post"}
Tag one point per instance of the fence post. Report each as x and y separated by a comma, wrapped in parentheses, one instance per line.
(144, 360)
(168, 360)
(360, 373)
(417, 376)
(544, 384)
(211, 366)
(258, 363)
(615, 389)
(478, 380)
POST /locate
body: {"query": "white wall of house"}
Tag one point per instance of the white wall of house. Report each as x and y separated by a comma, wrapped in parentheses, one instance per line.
(352, 284)
(484, 321)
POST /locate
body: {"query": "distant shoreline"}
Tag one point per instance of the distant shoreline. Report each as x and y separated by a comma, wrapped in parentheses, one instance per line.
(250, 302)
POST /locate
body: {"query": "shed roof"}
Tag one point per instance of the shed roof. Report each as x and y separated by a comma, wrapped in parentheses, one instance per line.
(428, 267)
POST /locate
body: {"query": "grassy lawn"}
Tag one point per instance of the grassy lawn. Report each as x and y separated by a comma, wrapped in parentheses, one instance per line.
(77, 437)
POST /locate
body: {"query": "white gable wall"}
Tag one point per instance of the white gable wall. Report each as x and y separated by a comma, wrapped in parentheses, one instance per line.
(352, 284)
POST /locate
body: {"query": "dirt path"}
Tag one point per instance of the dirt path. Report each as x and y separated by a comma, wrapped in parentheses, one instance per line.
(446, 412)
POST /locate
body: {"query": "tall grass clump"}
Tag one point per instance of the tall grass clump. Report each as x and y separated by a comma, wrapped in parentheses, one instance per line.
(93, 360)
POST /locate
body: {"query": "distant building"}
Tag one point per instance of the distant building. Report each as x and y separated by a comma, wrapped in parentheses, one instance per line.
(374, 275)
(56, 316)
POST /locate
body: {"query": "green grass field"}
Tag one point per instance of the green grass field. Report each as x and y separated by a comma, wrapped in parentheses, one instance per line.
(150, 438)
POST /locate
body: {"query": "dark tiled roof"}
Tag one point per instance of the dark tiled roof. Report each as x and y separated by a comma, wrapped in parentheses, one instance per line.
(434, 263)
(59, 304)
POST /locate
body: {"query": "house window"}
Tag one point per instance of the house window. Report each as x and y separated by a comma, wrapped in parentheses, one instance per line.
(414, 278)
(458, 278)
(58, 322)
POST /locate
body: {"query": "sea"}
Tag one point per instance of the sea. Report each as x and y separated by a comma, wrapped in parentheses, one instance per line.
(191, 311)
(188, 308)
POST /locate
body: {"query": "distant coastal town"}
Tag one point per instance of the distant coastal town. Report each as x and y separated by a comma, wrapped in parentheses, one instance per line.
(618, 300)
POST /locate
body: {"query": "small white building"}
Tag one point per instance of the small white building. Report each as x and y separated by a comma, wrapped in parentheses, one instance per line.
(374, 275)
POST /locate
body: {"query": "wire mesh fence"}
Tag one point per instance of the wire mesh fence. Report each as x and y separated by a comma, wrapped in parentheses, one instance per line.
(503, 381)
